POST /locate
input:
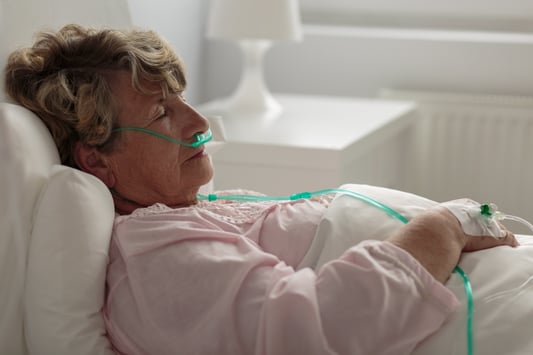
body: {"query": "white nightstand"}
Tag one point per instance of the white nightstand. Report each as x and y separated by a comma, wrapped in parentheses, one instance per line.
(317, 142)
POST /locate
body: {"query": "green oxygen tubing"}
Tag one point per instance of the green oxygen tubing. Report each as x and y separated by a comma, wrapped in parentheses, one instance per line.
(391, 212)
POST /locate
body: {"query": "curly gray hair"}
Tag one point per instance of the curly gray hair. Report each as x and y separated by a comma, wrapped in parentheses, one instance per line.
(63, 77)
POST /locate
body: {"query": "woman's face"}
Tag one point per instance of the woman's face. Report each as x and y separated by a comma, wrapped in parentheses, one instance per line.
(147, 169)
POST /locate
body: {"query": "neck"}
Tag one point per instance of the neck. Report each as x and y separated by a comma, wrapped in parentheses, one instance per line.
(124, 205)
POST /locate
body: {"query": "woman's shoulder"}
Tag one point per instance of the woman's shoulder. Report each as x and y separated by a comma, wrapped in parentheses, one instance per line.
(204, 211)
(154, 209)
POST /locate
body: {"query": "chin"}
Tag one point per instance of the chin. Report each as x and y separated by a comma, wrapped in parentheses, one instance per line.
(209, 173)
(205, 177)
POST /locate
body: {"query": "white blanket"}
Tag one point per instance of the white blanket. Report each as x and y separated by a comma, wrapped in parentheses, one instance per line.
(501, 278)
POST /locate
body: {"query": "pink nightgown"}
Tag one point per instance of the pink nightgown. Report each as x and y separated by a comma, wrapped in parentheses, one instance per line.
(223, 278)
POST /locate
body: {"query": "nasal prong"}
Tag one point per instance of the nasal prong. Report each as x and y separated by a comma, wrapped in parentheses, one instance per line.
(202, 138)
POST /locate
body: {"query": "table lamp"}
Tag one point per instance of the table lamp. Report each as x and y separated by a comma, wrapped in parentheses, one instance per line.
(254, 25)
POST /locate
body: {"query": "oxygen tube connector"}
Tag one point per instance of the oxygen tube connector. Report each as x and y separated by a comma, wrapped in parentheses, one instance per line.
(491, 211)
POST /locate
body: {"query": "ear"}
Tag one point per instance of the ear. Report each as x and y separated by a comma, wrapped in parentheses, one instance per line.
(92, 161)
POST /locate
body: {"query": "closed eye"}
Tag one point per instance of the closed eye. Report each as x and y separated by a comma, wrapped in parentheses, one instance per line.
(162, 114)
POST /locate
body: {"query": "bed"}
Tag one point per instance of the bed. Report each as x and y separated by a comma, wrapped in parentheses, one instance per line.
(501, 278)
(45, 307)
(55, 225)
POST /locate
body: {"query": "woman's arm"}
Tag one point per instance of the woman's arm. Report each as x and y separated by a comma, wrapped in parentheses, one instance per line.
(436, 239)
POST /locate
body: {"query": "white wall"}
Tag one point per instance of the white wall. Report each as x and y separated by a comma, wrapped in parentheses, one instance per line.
(21, 19)
(359, 62)
(182, 24)
(352, 62)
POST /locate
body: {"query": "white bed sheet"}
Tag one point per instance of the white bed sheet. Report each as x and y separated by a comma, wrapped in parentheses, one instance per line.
(501, 278)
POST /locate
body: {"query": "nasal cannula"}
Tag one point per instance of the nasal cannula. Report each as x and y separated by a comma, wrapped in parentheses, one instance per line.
(199, 138)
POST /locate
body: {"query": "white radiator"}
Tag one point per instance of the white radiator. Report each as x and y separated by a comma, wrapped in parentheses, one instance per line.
(476, 146)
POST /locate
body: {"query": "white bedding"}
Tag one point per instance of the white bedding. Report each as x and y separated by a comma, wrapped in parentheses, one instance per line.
(501, 278)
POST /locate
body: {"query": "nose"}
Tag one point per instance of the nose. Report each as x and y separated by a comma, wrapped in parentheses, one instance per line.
(196, 122)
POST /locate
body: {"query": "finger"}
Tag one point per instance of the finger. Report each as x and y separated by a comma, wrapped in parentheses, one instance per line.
(509, 239)
(512, 241)
(486, 242)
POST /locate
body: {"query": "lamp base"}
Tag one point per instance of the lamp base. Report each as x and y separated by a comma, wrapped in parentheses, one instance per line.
(251, 99)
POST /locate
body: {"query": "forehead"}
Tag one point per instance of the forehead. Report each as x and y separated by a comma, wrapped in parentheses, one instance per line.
(132, 104)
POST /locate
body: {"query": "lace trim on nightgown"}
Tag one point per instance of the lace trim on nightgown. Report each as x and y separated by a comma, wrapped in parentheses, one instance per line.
(231, 211)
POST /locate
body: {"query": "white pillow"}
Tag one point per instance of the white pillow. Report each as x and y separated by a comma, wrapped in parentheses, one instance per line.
(67, 263)
(501, 278)
(27, 153)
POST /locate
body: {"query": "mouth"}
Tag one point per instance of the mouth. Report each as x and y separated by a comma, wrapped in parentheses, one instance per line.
(200, 154)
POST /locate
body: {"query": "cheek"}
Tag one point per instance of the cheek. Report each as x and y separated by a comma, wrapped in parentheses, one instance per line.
(147, 160)
(157, 163)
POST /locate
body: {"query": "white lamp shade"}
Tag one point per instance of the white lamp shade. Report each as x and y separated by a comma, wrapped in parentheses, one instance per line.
(254, 19)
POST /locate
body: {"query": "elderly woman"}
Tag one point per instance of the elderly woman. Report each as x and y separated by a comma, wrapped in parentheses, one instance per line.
(188, 276)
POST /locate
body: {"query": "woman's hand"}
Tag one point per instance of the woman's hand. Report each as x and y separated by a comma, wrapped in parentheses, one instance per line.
(436, 239)
(474, 243)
